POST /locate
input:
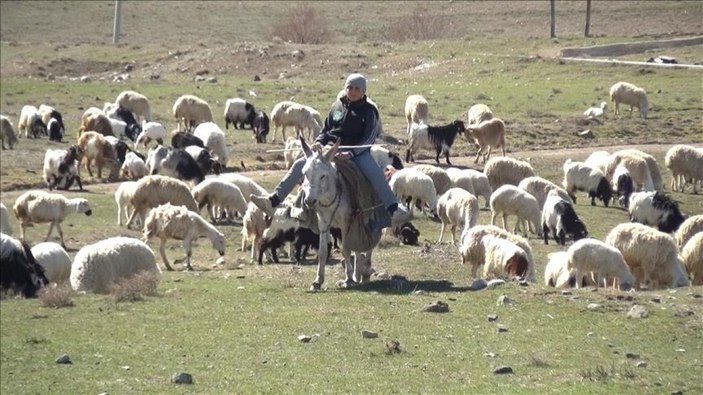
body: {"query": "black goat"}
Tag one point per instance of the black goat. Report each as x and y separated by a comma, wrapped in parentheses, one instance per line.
(54, 129)
(178, 163)
(562, 219)
(407, 234)
(260, 126)
(19, 270)
(670, 217)
(441, 138)
(183, 139)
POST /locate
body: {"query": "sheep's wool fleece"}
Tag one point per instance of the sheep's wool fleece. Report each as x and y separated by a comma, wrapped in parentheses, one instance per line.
(356, 80)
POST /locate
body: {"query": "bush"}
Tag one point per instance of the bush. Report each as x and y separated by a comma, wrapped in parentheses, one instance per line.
(56, 296)
(304, 25)
(136, 287)
(420, 25)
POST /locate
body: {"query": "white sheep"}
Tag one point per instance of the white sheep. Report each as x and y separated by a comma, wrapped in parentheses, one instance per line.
(155, 158)
(214, 139)
(479, 113)
(238, 112)
(539, 188)
(457, 207)
(685, 163)
(595, 113)
(635, 165)
(244, 183)
(35, 207)
(177, 222)
(509, 200)
(652, 256)
(55, 261)
(459, 179)
(293, 151)
(123, 197)
(626, 93)
(253, 227)
(692, 255)
(411, 185)
(691, 226)
(98, 266)
(503, 170)
(603, 261)
(559, 217)
(599, 160)
(7, 132)
(5, 226)
(487, 135)
(133, 167)
(151, 131)
(578, 175)
(217, 193)
(288, 113)
(192, 110)
(556, 273)
(503, 258)
(135, 102)
(439, 177)
(154, 190)
(472, 249)
(416, 110)
(30, 123)
(652, 165)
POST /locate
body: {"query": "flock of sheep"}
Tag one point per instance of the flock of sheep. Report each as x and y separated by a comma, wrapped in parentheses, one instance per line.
(166, 190)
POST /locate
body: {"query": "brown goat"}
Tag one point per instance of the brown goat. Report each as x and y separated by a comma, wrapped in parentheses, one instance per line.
(96, 148)
(96, 122)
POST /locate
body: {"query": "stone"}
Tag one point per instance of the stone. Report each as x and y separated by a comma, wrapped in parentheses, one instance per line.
(436, 307)
(478, 285)
(637, 311)
(369, 334)
(393, 347)
(566, 292)
(129, 68)
(503, 369)
(199, 78)
(257, 78)
(502, 328)
(304, 338)
(182, 378)
(212, 80)
(587, 134)
(524, 283)
(593, 306)
(64, 359)
(656, 299)
(492, 317)
(490, 354)
(85, 78)
(504, 299)
(495, 283)
(641, 364)
(632, 355)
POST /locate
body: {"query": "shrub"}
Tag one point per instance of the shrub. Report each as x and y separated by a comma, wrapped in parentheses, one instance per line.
(136, 287)
(304, 25)
(420, 25)
(56, 296)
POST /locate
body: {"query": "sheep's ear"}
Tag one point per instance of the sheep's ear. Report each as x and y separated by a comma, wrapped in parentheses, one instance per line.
(332, 151)
(306, 148)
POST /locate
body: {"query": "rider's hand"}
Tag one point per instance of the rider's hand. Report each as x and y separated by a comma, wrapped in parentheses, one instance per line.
(343, 155)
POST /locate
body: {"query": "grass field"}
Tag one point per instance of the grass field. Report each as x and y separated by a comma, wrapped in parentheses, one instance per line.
(235, 327)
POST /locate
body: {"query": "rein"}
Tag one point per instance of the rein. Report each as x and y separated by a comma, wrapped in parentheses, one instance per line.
(336, 200)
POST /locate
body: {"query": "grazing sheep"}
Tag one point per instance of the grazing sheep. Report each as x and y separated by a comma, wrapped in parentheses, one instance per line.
(261, 126)
(151, 131)
(457, 207)
(507, 200)
(96, 149)
(99, 266)
(411, 185)
(490, 134)
(55, 261)
(655, 209)
(685, 163)
(48, 113)
(181, 165)
(623, 185)
(383, 157)
(692, 255)
(61, 167)
(185, 139)
(19, 271)
(416, 110)
(7, 132)
(503, 170)
(558, 215)
(30, 123)
(54, 130)
(133, 167)
(599, 160)
(504, 258)
(5, 226)
(254, 223)
(652, 165)
(35, 207)
(472, 249)
(595, 113)
(479, 183)
(214, 139)
(191, 110)
(244, 183)
(652, 256)
(439, 177)
(688, 228)
(556, 273)
(154, 190)
(288, 113)
(479, 113)
(135, 102)
(578, 175)
(626, 93)
(239, 112)
(439, 138)
(177, 222)
(637, 167)
(218, 193)
(459, 179)
(96, 122)
(204, 160)
(602, 260)
(540, 187)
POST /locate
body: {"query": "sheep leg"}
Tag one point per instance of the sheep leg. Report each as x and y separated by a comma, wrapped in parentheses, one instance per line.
(162, 250)
(48, 235)
(58, 226)
(493, 217)
(441, 233)
(23, 226)
(505, 221)
(453, 229)
(478, 154)
(545, 233)
(131, 219)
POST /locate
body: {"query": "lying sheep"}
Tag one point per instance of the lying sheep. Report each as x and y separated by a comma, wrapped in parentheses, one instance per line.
(487, 134)
(35, 207)
(133, 167)
(559, 217)
(479, 113)
(55, 261)
(99, 266)
(123, 198)
(96, 149)
(155, 190)
(177, 222)
(135, 102)
(504, 258)
(416, 110)
(655, 209)
(30, 123)
(595, 113)
(61, 167)
(626, 93)
(21, 273)
(214, 139)
(437, 138)
(688, 228)
(603, 261)
(218, 193)
(504, 170)
(457, 207)
(685, 163)
(540, 187)
(578, 175)
(288, 113)
(191, 110)
(5, 226)
(472, 249)
(652, 255)
(692, 255)
(7, 132)
(239, 112)
(509, 200)
(411, 185)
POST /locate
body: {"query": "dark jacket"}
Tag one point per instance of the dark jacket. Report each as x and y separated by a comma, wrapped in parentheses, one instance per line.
(355, 123)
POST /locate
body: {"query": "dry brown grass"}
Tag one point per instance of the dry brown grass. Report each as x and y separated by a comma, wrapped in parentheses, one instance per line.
(135, 288)
(56, 296)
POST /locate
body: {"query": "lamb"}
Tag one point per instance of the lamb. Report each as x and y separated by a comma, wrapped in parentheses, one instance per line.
(623, 185)
(19, 270)
(5, 226)
(507, 200)
(689, 227)
(439, 177)
(176, 222)
(204, 159)
(96, 149)
(254, 223)
(439, 138)
(30, 122)
(479, 113)
(185, 139)
(411, 185)
(652, 256)
(55, 261)
(35, 207)
(133, 167)
(692, 255)
(99, 266)
(626, 93)
(285, 228)
(472, 249)
(503, 258)
(578, 175)
(136, 103)
(245, 184)
(487, 134)
(214, 139)
(288, 113)
(48, 113)
(7, 132)
(261, 126)
(383, 157)
(602, 260)
(685, 162)
(61, 169)
(540, 187)
(154, 190)
(595, 113)
(151, 131)
(218, 193)
(416, 110)
(123, 197)
(192, 110)
(504, 170)
(181, 165)
(96, 122)
(558, 215)
(655, 209)
(239, 112)
(457, 207)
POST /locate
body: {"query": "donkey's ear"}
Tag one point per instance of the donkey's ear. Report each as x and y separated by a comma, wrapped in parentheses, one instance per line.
(305, 146)
(332, 151)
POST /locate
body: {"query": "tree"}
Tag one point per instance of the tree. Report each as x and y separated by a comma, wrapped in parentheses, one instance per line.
(587, 32)
(553, 31)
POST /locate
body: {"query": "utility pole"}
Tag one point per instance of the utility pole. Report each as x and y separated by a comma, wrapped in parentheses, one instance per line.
(587, 32)
(116, 24)
(553, 17)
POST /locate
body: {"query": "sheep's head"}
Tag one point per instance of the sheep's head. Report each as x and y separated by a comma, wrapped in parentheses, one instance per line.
(218, 243)
(82, 206)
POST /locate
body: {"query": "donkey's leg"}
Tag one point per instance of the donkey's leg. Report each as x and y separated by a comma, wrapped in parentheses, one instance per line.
(322, 255)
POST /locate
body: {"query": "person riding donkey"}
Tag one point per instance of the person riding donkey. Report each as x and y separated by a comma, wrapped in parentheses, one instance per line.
(353, 121)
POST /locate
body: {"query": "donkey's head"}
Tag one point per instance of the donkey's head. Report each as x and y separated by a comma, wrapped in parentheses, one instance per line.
(319, 184)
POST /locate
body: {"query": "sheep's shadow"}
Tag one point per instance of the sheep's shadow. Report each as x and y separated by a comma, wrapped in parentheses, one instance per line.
(401, 285)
